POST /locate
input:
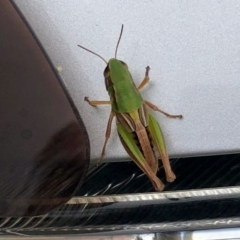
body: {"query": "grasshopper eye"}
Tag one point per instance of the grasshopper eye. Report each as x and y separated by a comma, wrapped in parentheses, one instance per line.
(106, 72)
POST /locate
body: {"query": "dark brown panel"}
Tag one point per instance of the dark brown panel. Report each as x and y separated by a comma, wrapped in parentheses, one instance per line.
(44, 147)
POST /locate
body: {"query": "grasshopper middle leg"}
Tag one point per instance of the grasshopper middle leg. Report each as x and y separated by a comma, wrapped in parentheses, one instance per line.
(155, 108)
(107, 136)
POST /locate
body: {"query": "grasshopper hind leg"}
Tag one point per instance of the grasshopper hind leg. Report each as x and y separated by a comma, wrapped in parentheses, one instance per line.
(158, 140)
(132, 148)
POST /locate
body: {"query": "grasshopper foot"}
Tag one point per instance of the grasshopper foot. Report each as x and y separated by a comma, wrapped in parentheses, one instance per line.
(147, 71)
(179, 116)
(89, 102)
(158, 185)
(171, 177)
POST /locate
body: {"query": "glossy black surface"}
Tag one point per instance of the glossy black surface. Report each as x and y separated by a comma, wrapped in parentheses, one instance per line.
(119, 200)
(44, 147)
(192, 173)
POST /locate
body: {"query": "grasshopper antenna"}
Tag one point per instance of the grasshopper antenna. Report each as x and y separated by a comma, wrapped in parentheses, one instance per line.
(93, 53)
(118, 41)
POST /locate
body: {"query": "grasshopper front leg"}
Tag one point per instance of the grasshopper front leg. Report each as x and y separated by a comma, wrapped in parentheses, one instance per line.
(145, 80)
(95, 103)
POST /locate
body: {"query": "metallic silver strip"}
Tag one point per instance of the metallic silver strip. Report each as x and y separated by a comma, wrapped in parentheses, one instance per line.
(186, 195)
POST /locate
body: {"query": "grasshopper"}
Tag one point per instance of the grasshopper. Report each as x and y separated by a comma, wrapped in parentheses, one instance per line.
(139, 132)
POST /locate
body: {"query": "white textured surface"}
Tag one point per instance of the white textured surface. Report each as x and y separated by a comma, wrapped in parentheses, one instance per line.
(192, 47)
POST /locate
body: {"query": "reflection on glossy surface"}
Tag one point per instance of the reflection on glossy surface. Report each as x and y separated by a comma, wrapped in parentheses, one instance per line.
(101, 207)
(44, 148)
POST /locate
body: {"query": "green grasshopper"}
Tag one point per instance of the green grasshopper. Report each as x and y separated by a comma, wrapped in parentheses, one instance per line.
(139, 132)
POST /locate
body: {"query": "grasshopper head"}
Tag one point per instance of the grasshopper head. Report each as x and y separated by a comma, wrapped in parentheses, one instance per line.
(114, 66)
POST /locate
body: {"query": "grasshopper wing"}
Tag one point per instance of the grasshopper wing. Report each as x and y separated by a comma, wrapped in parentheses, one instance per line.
(131, 147)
